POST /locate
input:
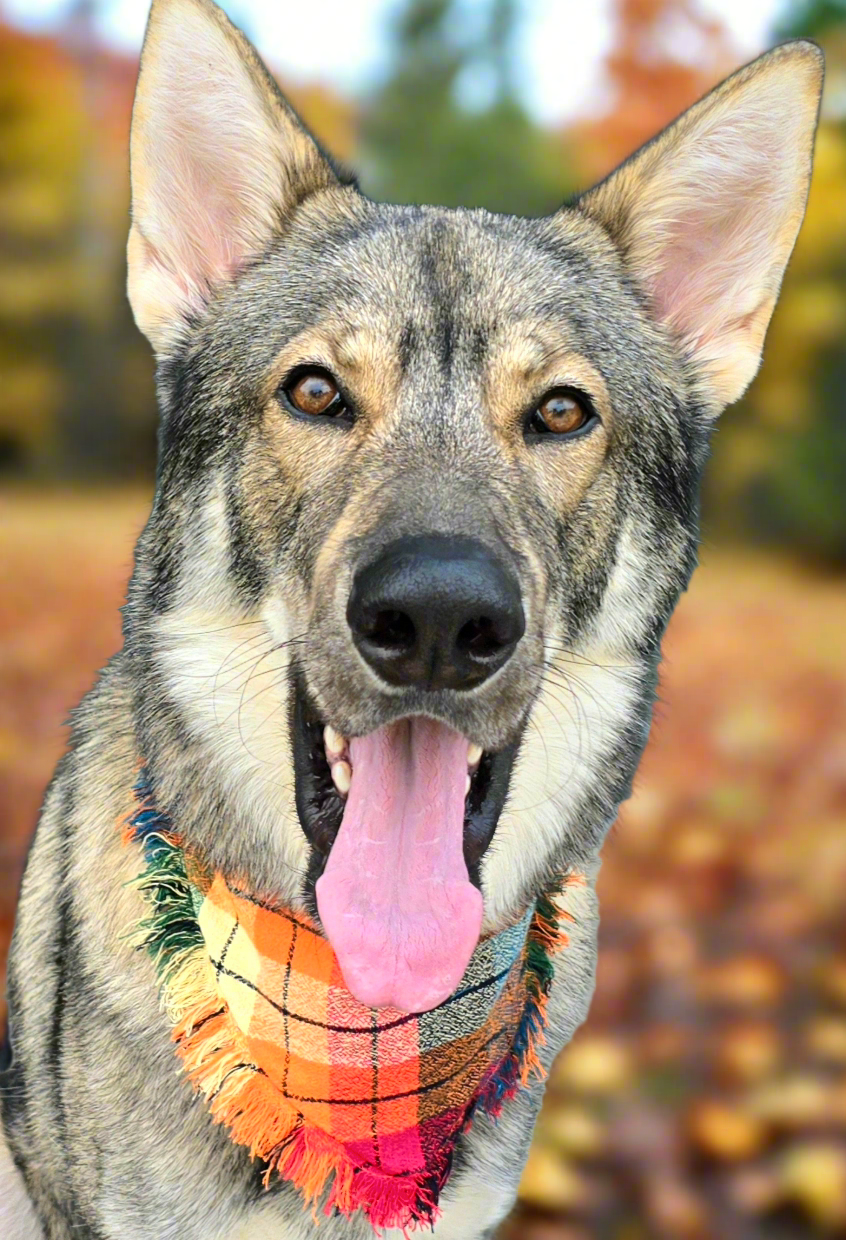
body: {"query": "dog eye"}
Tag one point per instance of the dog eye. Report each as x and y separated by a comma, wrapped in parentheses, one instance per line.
(562, 411)
(314, 393)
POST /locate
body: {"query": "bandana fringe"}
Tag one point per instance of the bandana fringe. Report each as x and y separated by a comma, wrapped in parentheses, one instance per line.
(245, 1101)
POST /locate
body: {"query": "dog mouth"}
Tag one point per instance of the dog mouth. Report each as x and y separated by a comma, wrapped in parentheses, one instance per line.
(399, 821)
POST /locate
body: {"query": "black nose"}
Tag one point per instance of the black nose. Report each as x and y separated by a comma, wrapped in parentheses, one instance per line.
(436, 611)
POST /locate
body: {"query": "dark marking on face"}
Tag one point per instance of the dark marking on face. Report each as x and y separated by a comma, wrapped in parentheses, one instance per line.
(440, 268)
(165, 561)
(247, 568)
(408, 345)
(589, 584)
(446, 339)
(187, 438)
(479, 344)
(672, 473)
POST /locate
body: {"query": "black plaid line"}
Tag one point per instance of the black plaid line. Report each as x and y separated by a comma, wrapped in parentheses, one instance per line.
(409, 1093)
(374, 1053)
(204, 1020)
(239, 1067)
(270, 908)
(284, 1008)
(351, 1029)
(372, 1100)
(218, 964)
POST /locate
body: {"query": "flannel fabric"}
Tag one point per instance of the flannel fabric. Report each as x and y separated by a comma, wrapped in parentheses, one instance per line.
(359, 1108)
(392, 1088)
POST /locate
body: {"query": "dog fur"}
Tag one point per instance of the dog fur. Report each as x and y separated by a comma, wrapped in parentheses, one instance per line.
(249, 254)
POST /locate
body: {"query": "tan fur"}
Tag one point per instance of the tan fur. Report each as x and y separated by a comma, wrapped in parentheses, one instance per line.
(363, 355)
(527, 361)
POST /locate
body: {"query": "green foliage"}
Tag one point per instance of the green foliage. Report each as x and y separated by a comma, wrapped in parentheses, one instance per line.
(810, 18)
(801, 502)
(421, 142)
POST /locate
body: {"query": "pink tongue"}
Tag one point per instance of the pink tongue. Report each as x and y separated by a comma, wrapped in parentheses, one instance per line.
(395, 899)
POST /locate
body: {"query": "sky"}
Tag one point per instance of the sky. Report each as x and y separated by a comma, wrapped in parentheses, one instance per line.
(343, 41)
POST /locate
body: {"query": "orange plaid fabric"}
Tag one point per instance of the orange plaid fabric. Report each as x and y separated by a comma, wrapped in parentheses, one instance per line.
(393, 1088)
(359, 1108)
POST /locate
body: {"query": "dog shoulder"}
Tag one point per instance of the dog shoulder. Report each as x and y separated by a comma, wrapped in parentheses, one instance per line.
(75, 855)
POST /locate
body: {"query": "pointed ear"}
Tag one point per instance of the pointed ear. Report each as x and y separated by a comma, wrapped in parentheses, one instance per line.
(707, 214)
(218, 158)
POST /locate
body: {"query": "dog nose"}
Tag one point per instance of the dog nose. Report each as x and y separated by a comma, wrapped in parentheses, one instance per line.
(436, 611)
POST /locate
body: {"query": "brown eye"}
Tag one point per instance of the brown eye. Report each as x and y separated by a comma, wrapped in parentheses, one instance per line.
(314, 393)
(562, 412)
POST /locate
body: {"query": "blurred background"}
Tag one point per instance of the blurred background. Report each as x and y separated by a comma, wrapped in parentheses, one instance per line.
(706, 1096)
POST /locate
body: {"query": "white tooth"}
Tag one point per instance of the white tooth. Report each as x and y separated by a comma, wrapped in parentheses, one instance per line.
(474, 754)
(334, 742)
(467, 785)
(342, 776)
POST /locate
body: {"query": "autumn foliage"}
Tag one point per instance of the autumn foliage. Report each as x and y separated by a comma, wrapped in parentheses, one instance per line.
(665, 54)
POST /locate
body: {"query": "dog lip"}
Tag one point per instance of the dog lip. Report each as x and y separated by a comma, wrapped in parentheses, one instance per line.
(320, 808)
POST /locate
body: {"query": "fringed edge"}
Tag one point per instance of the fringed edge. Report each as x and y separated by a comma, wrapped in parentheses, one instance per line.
(238, 1093)
(545, 939)
(242, 1098)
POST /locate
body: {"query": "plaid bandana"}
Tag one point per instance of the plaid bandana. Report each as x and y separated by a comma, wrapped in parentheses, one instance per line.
(359, 1108)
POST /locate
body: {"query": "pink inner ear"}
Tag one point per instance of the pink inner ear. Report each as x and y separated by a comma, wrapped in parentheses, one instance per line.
(214, 239)
(695, 273)
(711, 222)
(206, 153)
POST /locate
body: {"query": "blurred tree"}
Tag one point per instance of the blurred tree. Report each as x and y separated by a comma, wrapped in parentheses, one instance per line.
(664, 54)
(40, 136)
(780, 459)
(447, 125)
(76, 393)
(107, 427)
(809, 17)
(76, 377)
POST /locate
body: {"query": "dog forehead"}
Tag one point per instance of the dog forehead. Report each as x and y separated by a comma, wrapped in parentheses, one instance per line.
(442, 287)
(428, 260)
(429, 294)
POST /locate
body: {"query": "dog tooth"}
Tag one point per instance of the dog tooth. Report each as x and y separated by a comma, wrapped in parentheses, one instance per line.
(467, 785)
(342, 776)
(334, 742)
(474, 754)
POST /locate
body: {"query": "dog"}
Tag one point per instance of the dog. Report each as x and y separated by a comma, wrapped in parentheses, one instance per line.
(423, 473)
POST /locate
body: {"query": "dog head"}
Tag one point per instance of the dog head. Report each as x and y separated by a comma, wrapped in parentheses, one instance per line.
(427, 491)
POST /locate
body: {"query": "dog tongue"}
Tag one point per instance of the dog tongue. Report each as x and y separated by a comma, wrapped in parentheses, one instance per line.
(395, 898)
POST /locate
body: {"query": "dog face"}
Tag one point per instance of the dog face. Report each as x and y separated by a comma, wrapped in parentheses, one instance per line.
(427, 490)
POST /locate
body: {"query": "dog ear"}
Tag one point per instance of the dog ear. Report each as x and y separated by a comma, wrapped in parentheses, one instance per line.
(707, 214)
(218, 159)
